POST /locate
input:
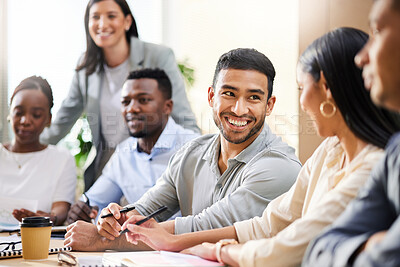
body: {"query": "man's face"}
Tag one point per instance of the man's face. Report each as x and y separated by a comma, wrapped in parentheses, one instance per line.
(380, 58)
(239, 102)
(144, 107)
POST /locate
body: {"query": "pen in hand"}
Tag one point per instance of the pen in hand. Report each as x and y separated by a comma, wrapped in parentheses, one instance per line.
(162, 209)
(124, 209)
(86, 200)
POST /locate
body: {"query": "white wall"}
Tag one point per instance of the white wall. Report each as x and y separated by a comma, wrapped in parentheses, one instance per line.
(3, 72)
(45, 38)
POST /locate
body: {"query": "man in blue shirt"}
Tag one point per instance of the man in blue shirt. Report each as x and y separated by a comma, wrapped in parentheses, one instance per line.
(141, 159)
(368, 232)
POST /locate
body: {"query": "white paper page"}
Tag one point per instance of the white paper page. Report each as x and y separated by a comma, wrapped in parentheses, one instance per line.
(156, 258)
(90, 261)
(11, 238)
(7, 205)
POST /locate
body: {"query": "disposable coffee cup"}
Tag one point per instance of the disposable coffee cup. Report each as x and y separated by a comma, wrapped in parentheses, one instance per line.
(35, 237)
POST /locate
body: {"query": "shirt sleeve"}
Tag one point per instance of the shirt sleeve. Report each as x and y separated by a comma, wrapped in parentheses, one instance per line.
(264, 181)
(280, 213)
(70, 110)
(182, 112)
(106, 189)
(384, 254)
(66, 185)
(287, 229)
(337, 246)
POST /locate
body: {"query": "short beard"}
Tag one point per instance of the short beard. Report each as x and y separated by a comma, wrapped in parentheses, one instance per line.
(140, 134)
(252, 132)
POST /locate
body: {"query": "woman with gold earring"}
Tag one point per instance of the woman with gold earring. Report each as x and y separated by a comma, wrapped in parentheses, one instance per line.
(30, 170)
(332, 107)
(333, 94)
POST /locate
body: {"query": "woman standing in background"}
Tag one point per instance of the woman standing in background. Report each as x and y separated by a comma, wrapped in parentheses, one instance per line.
(113, 50)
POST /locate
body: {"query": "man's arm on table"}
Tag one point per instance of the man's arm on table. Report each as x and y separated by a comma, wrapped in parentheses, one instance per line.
(83, 236)
(157, 237)
(264, 181)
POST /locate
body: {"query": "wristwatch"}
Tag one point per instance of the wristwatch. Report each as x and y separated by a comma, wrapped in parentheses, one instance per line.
(220, 244)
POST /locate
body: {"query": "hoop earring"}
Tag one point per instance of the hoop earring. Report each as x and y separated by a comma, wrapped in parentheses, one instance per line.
(322, 109)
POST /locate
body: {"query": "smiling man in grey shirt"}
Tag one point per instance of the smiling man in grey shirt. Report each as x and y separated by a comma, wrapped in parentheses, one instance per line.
(217, 179)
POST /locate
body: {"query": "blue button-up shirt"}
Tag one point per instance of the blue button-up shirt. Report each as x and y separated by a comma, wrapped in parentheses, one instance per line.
(131, 173)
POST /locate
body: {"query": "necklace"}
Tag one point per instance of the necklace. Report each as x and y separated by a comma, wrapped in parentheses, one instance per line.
(18, 161)
(20, 158)
(15, 159)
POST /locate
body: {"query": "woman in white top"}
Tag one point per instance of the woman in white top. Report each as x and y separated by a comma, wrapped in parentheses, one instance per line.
(333, 94)
(28, 169)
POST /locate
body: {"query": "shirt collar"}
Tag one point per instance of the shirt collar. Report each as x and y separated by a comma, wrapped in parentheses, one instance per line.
(167, 137)
(165, 141)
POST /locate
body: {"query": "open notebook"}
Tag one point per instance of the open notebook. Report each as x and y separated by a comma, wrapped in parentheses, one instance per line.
(155, 259)
(6, 250)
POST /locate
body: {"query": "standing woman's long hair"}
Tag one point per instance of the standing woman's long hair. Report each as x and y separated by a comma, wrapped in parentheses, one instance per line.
(333, 54)
(94, 55)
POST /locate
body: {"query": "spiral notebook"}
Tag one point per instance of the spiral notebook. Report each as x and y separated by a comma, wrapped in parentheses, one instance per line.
(18, 252)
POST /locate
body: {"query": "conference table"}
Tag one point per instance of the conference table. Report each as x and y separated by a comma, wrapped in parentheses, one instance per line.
(92, 258)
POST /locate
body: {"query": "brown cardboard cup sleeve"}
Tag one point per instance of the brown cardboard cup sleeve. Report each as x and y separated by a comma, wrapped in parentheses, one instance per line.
(35, 236)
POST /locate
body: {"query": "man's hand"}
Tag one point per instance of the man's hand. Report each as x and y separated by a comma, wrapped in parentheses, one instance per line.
(109, 227)
(374, 240)
(81, 211)
(83, 236)
(150, 232)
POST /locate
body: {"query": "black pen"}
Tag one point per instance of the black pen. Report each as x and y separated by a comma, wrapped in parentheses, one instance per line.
(124, 209)
(86, 199)
(162, 209)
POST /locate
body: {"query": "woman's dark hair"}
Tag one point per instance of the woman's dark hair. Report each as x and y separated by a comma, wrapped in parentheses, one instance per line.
(35, 83)
(333, 54)
(94, 55)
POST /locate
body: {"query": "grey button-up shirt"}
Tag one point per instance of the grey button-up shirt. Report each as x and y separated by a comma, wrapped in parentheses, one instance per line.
(208, 199)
